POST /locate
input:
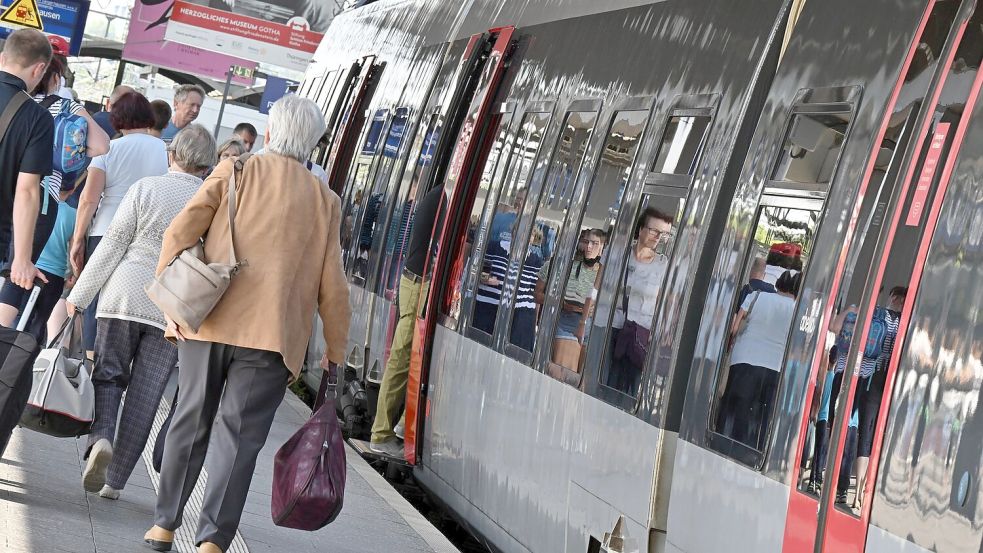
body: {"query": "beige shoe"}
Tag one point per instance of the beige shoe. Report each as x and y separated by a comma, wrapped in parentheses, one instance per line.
(94, 477)
(159, 539)
(209, 547)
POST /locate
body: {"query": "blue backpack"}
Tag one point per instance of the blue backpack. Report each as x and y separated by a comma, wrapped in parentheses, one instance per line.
(877, 335)
(845, 336)
(71, 137)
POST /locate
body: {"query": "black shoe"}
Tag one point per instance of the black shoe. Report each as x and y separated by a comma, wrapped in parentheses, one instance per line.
(841, 497)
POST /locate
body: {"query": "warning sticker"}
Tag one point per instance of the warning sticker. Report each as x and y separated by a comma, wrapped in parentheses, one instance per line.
(22, 13)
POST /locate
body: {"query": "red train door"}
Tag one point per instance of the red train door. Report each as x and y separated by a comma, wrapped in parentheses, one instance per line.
(830, 503)
(486, 56)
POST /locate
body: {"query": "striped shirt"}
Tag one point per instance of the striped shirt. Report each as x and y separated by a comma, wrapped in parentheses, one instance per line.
(495, 263)
(52, 183)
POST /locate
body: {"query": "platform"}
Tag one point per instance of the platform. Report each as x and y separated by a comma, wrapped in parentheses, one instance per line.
(43, 508)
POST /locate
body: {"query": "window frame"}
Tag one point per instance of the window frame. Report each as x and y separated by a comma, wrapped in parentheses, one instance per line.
(685, 105)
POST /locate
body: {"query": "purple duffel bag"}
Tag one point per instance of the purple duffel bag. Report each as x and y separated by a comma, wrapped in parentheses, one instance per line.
(309, 470)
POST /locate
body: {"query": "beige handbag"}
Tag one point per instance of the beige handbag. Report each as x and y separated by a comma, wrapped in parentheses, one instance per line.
(189, 288)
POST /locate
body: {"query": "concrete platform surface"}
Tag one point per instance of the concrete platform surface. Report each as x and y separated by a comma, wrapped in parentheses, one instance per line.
(43, 508)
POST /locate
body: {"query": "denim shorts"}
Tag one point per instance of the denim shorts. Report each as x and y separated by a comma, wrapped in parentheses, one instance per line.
(566, 327)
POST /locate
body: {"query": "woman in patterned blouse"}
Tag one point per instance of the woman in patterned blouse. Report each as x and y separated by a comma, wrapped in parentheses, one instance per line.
(133, 354)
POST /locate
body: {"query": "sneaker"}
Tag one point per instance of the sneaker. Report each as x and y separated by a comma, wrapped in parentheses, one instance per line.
(94, 477)
(399, 430)
(389, 448)
(109, 493)
(841, 497)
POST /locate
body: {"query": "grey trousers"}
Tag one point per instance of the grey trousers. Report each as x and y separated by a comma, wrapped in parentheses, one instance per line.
(254, 382)
(136, 358)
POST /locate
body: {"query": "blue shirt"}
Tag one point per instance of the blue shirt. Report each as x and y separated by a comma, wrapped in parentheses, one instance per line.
(54, 256)
(169, 132)
(102, 119)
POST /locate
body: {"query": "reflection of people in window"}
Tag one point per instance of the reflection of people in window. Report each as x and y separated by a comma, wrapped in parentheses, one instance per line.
(399, 232)
(783, 256)
(367, 233)
(758, 334)
(504, 220)
(523, 333)
(493, 268)
(756, 281)
(635, 304)
(578, 299)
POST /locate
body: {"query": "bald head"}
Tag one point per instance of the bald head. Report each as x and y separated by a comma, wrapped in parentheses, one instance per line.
(118, 93)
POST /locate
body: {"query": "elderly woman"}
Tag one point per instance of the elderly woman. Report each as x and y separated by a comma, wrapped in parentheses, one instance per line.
(133, 354)
(236, 367)
(231, 149)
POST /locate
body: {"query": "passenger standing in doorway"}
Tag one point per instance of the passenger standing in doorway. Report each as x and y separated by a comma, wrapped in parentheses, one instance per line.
(637, 299)
(236, 367)
(247, 134)
(133, 156)
(756, 281)
(392, 393)
(578, 299)
(103, 117)
(188, 99)
(759, 332)
(133, 355)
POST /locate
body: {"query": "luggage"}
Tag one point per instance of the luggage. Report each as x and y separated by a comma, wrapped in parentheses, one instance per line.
(18, 350)
(309, 470)
(62, 401)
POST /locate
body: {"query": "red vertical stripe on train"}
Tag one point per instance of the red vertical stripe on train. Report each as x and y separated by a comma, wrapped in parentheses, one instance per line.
(801, 521)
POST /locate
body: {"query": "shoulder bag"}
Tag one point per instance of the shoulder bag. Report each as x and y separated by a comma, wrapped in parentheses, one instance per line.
(189, 288)
(632, 342)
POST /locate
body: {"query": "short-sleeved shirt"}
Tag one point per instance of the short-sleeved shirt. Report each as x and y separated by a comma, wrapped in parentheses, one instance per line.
(429, 211)
(26, 148)
(130, 158)
(762, 342)
(102, 119)
(52, 183)
(169, 132)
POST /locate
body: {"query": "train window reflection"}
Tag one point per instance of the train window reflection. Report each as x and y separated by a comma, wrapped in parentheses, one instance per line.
(761, 322)
(355, 191)
(550, 215)
(374, 215)
(492, 176)
(505, 221)
(681, 145)
(599, 216)
(639, 288)
(812, 147)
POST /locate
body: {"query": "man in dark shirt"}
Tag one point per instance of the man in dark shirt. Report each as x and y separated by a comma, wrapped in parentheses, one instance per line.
(430, 210)
(102, 118)
(25, 152)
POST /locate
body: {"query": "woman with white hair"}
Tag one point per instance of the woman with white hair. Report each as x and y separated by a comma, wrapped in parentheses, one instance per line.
(236, 367)
(133, 354)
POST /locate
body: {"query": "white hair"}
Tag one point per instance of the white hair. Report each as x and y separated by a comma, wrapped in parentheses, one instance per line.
(194, 148)
(295, 125)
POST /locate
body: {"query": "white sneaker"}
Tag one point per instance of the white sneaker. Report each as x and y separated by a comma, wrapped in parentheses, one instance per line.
(389, 448)
(109, 493)
(399, 430)
(94, 477)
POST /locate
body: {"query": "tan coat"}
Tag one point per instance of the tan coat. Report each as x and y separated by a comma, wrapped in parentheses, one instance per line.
(287, 233)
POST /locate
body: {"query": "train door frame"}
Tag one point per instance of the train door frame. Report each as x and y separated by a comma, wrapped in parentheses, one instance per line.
(497, 47)
(356, 98)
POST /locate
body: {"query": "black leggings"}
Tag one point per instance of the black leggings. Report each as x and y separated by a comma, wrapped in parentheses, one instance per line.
(42, 231)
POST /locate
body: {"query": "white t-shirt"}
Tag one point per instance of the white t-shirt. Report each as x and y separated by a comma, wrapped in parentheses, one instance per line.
(642, 287)
(130, 158)
(762, 342)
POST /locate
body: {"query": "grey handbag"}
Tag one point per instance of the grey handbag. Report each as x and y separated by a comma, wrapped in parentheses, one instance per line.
(189, 288)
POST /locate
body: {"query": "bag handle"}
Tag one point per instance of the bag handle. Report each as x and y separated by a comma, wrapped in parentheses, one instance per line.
(11, 110)
(237, 168)
(328, 378)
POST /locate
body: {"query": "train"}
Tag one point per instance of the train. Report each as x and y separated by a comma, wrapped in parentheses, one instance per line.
(776, 346)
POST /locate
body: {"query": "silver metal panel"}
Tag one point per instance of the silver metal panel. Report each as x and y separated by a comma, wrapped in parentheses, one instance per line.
(532, 453)
(881, 541)
(719, 505)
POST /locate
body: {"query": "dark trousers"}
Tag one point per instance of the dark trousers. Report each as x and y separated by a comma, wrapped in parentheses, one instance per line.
(135, 358)
(37, 323)
(89, 324)
(43, 226)
(747, 403)
(254, 382)
(849, 457)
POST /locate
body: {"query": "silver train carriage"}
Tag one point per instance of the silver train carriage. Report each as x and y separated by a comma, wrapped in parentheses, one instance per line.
(778, 347)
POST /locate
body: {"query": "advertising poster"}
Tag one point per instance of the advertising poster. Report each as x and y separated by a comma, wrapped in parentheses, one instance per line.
(284, 33)
(275, 89)
(64, 18)
(145, 43)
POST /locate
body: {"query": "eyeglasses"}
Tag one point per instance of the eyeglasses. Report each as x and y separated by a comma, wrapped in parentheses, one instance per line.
(655, 231)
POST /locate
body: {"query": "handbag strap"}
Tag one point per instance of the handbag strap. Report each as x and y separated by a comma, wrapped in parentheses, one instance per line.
(237, 168)
(328, 377)
(13, 106)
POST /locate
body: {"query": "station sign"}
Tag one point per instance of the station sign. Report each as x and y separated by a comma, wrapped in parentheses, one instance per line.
(63, 18)
(275, 89)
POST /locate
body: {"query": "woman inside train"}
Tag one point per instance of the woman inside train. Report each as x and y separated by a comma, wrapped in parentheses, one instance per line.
(758, 334)
(578, 300)
(635, 304)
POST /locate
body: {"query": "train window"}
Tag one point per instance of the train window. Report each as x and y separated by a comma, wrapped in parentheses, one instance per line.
(812, 147)
(492, 177)
(505, 221)
(681, 144)
(550, 215)
(590, 256)
(640, 285)
(401, 219)
(747, 382)
(355, 190)
(326, 88)
(376, 205)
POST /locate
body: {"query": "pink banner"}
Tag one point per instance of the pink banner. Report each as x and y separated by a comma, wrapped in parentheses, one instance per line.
(145, 44)
(927, 175)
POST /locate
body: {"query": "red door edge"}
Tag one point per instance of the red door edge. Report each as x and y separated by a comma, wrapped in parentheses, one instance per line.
(845, 533)
(801, 519)
(426, 324)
